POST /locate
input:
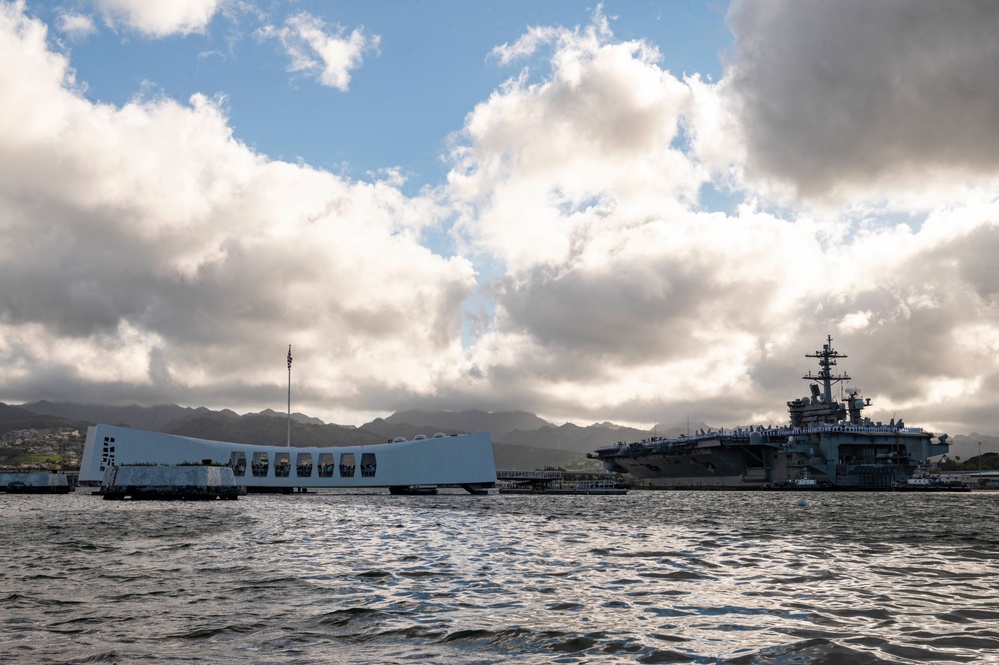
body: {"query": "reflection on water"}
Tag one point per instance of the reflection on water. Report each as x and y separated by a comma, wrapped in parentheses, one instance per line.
(651, 577)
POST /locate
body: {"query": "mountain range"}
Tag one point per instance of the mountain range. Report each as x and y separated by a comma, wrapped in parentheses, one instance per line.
(498, 424)
(13, 418)
(521, 440)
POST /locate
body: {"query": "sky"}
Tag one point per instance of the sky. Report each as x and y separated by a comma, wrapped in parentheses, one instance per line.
(636, 212)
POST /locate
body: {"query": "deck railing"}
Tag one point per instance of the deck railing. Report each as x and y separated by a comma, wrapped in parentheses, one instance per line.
(739, 432)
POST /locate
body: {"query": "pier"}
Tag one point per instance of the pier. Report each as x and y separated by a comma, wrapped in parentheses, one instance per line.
(18, 482)
(557, 481)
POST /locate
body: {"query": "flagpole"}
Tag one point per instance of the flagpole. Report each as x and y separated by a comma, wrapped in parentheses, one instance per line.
(289, 395)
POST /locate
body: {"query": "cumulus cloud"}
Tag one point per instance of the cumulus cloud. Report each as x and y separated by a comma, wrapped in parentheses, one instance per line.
(159, 19)
(173, 263)
(173, 260)
(620, 295)
(546, 162)
(581, 186)
(848, 98)
(570, 42)
(325, 52)
(76, 26)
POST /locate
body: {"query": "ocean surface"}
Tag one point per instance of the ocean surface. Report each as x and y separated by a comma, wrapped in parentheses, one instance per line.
(651, 577)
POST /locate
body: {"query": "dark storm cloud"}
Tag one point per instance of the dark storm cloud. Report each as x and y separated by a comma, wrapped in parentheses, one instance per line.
(643, 309)
(926, 340)
(64, 272)
(853, 93)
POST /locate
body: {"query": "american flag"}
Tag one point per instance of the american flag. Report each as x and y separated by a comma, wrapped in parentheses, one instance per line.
(289, 356)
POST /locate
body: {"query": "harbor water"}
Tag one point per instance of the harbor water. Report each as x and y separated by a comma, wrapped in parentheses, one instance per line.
(650, 577)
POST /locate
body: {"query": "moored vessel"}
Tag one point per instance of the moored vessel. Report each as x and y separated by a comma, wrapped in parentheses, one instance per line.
(557, 481)
(170, 483)
(27, 482)
(827, 444)
(926, 483)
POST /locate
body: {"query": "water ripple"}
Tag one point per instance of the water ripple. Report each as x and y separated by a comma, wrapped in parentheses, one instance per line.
(652, 577)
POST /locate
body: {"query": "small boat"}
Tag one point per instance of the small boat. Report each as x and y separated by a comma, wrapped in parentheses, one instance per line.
(927, 484)
(803, 483)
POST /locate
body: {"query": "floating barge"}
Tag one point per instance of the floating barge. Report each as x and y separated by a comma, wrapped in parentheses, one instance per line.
(170, 483)
(21, 482)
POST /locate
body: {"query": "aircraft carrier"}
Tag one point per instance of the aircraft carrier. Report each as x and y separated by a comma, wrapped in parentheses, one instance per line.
(827, 444)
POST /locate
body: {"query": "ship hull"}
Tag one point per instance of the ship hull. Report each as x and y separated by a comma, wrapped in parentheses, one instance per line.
(827, 444)
(836, 458)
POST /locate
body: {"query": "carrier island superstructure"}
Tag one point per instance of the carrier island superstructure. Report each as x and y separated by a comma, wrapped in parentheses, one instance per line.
(827, 444)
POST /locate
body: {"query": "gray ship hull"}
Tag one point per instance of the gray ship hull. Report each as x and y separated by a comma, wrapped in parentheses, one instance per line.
(826, 445)
(834, 457)
(701, 467)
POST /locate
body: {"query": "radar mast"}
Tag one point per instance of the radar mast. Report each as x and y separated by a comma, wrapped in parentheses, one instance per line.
(827, 359)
